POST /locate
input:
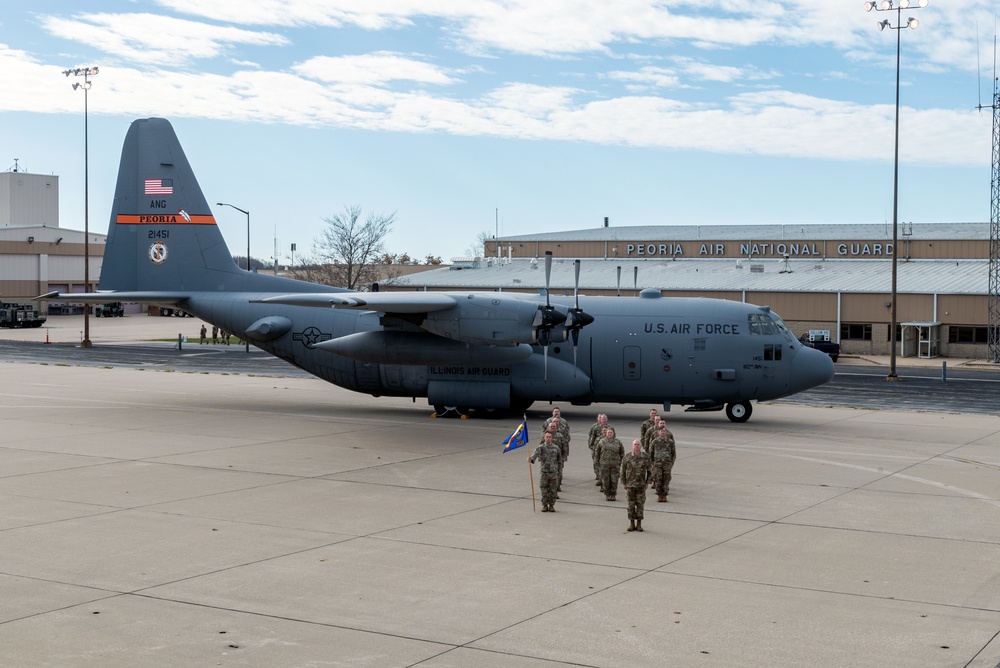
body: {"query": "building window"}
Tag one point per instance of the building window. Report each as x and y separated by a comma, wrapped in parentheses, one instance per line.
(855, 332)
(962, 334)
(899, 333)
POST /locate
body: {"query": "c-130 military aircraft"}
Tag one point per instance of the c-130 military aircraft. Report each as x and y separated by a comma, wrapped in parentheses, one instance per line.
(481, 351)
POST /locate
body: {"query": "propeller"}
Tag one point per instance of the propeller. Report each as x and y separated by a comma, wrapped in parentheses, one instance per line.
(547, 317)
(576, 319)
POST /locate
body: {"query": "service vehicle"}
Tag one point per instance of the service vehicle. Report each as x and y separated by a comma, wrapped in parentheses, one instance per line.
(820, 340)
(110, 310)
(20, 315)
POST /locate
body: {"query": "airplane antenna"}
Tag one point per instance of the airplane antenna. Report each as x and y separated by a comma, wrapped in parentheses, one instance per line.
(635, 279)
(619, 281)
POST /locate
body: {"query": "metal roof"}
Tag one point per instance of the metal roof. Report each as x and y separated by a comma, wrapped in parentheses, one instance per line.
(775, 275)
(880, 231)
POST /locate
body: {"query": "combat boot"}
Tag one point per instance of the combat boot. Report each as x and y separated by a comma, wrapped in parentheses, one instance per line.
(662, 498)
(638, 525)
(631, 525)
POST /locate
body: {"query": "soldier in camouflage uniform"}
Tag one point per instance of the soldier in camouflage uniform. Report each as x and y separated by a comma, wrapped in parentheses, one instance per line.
(663, 452)
(647, 425)
(610, 452)
(635, 477)
(548, 481)
(651, 433)
(595, 434)
(602, 439)
(561, 440)
(559, 420)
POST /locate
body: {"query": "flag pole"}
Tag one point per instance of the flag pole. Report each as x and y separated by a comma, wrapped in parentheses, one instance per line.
(531, 477)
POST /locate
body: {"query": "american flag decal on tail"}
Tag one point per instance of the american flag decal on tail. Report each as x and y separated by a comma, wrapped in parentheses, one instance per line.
(159, 187)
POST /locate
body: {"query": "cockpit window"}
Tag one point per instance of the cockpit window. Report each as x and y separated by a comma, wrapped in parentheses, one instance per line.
(760, 323)
(780, 324)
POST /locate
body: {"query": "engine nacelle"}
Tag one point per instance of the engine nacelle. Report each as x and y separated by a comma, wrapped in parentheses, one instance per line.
(490, 319)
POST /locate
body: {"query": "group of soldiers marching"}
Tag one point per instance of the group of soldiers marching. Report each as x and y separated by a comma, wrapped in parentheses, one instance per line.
(648, 463)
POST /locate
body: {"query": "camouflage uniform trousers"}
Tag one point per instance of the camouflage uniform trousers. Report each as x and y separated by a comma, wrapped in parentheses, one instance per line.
(561, 442)
(549, 456)
(548, 482)
(636, 501)
(661, 476)
(609, 476)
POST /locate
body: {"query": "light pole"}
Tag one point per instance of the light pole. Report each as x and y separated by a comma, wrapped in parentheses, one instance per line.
(245, 340)
(86, 73)
(248, 227)
(887, 6)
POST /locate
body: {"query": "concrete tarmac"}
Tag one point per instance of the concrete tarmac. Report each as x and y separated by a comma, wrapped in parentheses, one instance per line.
(162, 518)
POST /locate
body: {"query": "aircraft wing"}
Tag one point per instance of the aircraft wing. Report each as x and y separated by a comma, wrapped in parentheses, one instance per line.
(385, 302)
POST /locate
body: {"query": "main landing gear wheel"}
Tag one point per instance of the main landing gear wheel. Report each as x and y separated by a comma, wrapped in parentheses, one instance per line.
(739, 412)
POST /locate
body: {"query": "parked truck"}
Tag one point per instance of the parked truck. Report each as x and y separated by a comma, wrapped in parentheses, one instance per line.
(20, 315)
(820, 340)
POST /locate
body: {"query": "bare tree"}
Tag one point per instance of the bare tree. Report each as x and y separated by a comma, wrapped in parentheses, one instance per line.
(478, 247)
(350, 253)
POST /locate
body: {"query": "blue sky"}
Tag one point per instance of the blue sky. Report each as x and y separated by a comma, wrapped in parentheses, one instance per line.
(554, 114)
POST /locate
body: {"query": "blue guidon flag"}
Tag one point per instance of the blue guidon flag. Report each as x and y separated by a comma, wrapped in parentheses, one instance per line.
(518, 439)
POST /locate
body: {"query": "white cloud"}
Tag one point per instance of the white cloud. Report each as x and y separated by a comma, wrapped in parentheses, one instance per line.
(392, 91)
(774, 123)
(702, 71)
(657, 77)
(367, 14)
(373, 68)
(153, 39)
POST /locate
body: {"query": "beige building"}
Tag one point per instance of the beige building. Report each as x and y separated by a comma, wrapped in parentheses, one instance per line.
(825, 277)
(36, 254)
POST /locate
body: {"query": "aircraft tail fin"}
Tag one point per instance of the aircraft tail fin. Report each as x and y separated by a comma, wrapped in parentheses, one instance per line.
(162, 235)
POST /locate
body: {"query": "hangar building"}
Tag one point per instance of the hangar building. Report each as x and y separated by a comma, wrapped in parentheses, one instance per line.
(817, 277)
(36, 254)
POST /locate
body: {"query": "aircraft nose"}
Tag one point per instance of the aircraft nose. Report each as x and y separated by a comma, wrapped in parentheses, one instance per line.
(810, 368)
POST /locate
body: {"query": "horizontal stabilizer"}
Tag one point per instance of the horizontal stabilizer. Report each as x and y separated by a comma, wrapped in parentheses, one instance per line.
(148, 297)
